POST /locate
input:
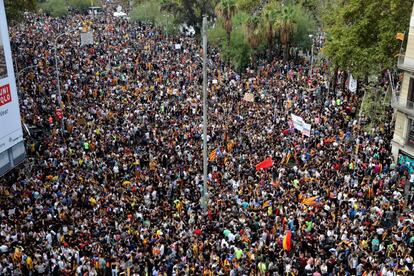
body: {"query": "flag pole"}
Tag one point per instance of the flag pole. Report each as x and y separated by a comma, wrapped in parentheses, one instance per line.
(402, 43)
(205, 188)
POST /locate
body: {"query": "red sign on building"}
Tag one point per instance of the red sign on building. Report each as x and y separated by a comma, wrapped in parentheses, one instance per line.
(5, 94)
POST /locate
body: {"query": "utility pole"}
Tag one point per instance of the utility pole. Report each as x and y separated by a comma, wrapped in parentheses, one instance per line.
(205, 188)
(58, 76)
(18, 74)
(58, 85)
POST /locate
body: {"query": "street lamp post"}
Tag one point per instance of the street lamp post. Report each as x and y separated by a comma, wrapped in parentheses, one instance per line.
(205, 188)
(18, 74)
(57, 75)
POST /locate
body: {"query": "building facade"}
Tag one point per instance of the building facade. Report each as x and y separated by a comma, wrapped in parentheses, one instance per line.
(403, 104)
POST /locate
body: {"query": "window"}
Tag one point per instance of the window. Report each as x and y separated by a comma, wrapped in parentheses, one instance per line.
(410, 93)
(410, 138)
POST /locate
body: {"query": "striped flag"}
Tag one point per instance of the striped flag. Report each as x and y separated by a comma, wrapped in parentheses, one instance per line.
(400, 36)
(230, 146)
(310, 201)
(213, 155)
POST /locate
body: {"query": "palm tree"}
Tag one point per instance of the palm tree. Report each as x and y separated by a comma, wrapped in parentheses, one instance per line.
(253, 34)
(226, 9)
(286, 25)
(269, 16)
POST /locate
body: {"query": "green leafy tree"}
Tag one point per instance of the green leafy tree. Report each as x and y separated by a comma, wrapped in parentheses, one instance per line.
(151, 11)
(305, 25)
(190, 12)
(225, 10)
(82, 5)
(286, 25)
(238, 52)
(361, 34)
(56, 8)
(247, 5)
(253, 34)
(147, 11)
(315, 8)
(16, 8)
(268, 21)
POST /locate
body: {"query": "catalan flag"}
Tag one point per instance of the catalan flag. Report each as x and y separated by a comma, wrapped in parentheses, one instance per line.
(213, 155)
(309, 201)
(400, 36)
(230, 146)
(266, 204)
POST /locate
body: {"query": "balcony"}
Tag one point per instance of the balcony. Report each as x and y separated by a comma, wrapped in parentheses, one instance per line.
(402, 105)
(406, 63)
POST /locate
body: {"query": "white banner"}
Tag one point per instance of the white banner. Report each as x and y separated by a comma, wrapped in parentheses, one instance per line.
(306, 128)
(301, 125)
(86, 38)
(352, 84)
(11, 131)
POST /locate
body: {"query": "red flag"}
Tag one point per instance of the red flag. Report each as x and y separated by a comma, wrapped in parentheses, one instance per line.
(287, 241)
(265, 164)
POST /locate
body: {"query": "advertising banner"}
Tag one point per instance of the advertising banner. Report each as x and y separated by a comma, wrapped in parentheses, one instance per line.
(11, 132)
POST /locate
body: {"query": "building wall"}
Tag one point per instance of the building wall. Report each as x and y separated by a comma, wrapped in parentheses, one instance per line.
(404, 86)
(401, 125)
(401, 119)
(400, 135)
(410, 45)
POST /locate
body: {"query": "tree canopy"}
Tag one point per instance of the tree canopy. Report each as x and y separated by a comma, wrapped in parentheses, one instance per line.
(190, 12)
(16, 8)
(361, 34)
(265, 26)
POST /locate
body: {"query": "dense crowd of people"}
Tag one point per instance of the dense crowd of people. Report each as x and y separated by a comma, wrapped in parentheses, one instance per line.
(119, 189)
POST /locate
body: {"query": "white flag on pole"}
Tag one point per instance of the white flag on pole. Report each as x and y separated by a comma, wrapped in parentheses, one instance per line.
(353, 84)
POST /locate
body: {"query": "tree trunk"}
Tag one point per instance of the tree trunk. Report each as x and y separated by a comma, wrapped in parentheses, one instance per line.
(286, 52)
(335, 78)
(345, 77)
(253, 62)
(279, 49)
(270, 43)
(228, 38)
